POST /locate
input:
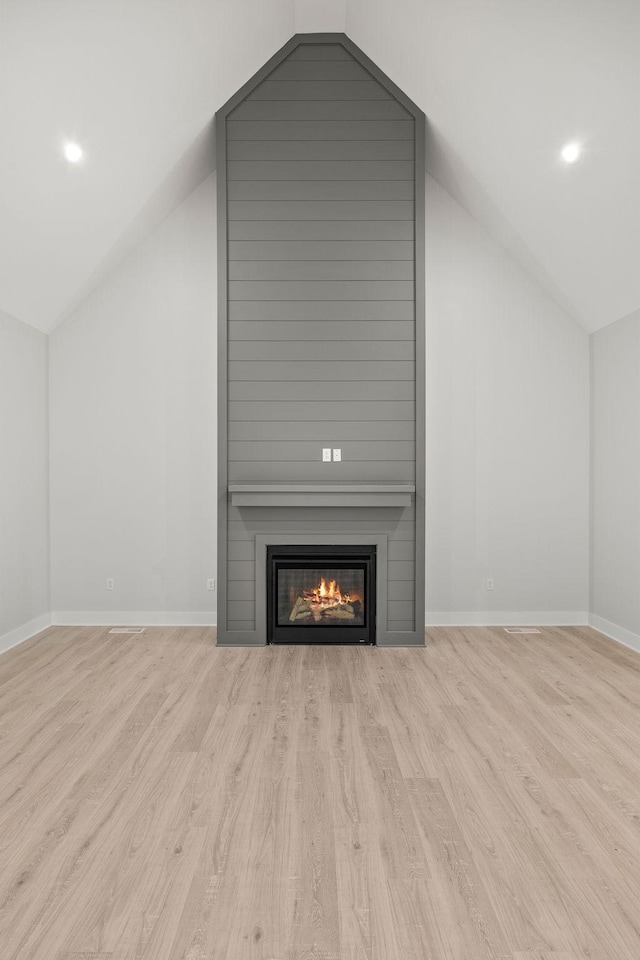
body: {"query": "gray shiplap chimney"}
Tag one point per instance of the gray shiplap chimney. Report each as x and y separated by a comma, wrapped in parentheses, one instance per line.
(321, 328)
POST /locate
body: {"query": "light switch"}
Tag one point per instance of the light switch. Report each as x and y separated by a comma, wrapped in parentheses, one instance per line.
(337, 456)
(326, 454)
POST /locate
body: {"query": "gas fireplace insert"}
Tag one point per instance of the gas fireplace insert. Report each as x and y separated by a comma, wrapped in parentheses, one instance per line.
(321, 594)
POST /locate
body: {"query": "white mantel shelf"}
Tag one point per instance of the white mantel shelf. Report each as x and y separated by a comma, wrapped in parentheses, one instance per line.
(321, 495)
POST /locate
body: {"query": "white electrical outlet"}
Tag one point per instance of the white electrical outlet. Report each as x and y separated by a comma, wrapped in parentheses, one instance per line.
(211, 584)
(489, 583)
(110, 584)
(337, 456)
(326, 454)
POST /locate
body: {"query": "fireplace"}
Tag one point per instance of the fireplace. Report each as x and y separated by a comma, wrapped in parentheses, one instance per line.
(322, 593)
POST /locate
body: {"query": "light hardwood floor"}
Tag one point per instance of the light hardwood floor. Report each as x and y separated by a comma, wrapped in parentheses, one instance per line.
(165, 799)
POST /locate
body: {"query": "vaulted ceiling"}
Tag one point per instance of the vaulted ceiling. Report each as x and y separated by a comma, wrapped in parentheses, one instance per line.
(504, 84)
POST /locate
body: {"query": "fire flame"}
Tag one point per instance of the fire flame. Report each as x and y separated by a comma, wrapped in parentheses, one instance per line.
(328, 595)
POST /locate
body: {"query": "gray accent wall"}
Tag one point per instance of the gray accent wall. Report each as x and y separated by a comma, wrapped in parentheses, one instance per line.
(321, 326)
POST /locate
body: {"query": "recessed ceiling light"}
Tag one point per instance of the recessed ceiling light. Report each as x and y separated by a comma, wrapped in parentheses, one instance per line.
(571, 152)
(73, 152)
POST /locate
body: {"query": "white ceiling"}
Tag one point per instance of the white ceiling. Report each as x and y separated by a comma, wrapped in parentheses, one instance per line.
(504, 84)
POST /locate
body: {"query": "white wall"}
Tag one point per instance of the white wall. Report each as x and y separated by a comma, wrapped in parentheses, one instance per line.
(133, 432)
(615, 483)
(507, 434)
(134, 420)
(24, 482)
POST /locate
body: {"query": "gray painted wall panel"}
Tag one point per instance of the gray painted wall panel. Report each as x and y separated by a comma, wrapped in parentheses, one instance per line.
(402, 471)
(336, 330)
(321, 290)
(337, 431)
(384, 392)
(313, 190)
(320, 210)
(320, 230)
(254, 526)
(316, 370)
(319, 110)
(241, 609)
(328, 351)
(319, 90)
(318, 149)
(241, 590)
(359, 170)
(400, 626)
(309, 450)
(319, 313)
(402, 589)
(400, 610)
(320, 51)
(402, 550)
(240, 550)
(350, 270)
(291, 70)
(310, 411)
(350, 250)
(240, 570)
(323, 130)
(400, 570)
(245, 523)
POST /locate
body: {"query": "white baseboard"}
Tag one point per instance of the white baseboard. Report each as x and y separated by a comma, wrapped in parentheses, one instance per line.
(614, 632)
(133, 618)
(509, 618)
(24, 632)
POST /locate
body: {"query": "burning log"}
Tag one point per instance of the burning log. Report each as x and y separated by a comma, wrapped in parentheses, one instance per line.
(339, 613)
(297, 608)
(304, 609)
(326, 601)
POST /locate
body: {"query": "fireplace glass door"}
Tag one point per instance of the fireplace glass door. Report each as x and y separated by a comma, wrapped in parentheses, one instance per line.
(321, 594)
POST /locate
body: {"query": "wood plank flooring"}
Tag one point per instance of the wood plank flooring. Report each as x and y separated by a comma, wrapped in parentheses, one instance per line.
(165, 799)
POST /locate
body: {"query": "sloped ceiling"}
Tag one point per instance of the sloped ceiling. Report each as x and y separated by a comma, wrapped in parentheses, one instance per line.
(504, 84)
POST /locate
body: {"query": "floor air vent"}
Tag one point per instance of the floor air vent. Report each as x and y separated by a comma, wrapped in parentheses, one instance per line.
(127, 630)
(521, 630)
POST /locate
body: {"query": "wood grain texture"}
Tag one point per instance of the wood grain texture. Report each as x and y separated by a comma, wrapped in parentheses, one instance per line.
(166, 799)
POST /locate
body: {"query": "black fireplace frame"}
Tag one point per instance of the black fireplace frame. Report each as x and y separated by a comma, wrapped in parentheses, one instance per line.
(335, 555)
